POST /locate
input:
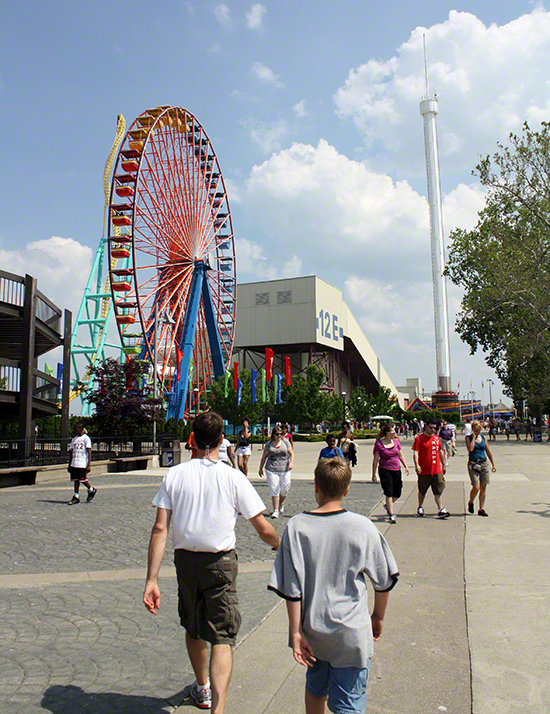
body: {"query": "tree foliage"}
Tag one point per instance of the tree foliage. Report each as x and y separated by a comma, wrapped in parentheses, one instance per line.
(122, 398)
(503, 265)
(227, 406)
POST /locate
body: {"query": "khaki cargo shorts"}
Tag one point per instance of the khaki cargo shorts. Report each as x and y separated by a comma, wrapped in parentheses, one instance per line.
(207, 595)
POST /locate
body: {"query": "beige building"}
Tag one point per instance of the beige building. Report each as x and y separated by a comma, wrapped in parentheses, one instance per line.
(307, 320)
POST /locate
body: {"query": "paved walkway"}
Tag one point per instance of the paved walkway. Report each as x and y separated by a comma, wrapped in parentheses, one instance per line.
(466, 631)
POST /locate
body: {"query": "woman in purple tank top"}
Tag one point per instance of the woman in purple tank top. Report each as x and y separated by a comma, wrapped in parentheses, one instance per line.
(388, 457)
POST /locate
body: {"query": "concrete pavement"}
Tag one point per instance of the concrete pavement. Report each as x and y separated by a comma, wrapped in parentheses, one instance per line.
(466, 628)
(468, 623)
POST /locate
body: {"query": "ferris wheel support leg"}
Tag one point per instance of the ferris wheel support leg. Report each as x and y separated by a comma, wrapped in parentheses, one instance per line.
(177, 410)
(213, 334)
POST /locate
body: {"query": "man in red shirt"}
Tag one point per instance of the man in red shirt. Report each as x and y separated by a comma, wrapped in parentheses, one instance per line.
(429, 458)
(192, 446)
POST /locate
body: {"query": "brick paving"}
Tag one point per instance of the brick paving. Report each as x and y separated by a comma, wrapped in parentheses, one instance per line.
(90, 647)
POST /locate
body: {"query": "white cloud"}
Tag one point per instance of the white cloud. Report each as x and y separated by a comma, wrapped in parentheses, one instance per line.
(397, 319)
(300, 109)
(243, 95)
(461, 207)
(336, 212)
(367, 234)
(61, 266)
(254, 16)
(189, 7)
(489, 80)
(267, 135)
(223, 15)
(253, 264)
(266, 75)
(215, 48)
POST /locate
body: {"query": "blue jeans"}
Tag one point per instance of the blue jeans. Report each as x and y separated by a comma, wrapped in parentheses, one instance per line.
(346, 687)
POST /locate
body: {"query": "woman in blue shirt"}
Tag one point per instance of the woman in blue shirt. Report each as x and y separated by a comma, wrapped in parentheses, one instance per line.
(331, 450)
(478, 468)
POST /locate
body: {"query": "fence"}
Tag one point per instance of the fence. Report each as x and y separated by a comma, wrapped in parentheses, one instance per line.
(45, 452)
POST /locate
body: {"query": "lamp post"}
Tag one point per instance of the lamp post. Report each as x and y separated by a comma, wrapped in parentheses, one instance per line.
(343, 407)
(491, 405)
(196, 393)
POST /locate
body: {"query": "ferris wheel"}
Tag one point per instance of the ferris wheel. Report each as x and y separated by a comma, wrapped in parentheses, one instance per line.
(174, 299)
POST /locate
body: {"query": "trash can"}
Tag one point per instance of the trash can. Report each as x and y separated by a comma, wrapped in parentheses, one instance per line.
(170, 452)
(537, 435)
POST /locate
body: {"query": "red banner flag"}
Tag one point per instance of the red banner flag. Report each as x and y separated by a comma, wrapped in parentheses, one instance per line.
(288, 372)
(235, 376)
(268, 363)
(179, 357)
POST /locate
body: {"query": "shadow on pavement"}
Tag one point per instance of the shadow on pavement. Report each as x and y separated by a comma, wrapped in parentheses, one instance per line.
(74, 700)
(545, 513)
(48, 500)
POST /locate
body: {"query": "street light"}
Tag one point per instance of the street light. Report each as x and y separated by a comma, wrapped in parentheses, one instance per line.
(491, 405)
(343, 407)
(196, 392)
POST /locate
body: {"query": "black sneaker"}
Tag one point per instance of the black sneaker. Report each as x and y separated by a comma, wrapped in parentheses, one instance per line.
(482, 512)
(443, 513)
(470, 507)
(91, 493)
(75, 499)
(393, 519)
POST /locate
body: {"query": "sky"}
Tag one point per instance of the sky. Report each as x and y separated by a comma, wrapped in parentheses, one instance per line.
(312, 109)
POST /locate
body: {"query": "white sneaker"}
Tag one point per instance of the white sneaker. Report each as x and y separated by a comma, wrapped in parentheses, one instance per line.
(420, 512)
(282, 509)
(275, 514)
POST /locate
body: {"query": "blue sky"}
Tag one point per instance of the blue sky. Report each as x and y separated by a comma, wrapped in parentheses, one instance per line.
(313, 112)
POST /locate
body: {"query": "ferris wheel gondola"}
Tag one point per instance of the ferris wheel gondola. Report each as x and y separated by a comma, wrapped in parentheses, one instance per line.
(170, 221)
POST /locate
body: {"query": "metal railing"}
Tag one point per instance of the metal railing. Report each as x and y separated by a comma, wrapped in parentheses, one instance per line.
(50, 451)
(12, 291)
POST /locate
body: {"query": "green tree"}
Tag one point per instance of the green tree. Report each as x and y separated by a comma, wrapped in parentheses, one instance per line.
(303, 400)
(359, 405)
(503, 265)
(383, 402)
(227, 406)
(122, 399)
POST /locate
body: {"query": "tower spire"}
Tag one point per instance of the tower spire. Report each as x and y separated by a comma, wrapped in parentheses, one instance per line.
(426, 67)
(428, 110)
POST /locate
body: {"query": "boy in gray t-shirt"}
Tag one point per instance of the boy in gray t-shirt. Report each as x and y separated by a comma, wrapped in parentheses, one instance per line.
(322, 567)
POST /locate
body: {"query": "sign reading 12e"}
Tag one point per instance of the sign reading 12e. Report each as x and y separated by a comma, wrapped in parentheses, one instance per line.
(327, 323)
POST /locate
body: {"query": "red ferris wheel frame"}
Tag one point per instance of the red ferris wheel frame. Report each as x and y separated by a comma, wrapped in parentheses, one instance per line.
(168, 212)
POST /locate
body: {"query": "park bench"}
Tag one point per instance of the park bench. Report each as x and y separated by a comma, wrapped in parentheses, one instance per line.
(18, 476)
(131, 463)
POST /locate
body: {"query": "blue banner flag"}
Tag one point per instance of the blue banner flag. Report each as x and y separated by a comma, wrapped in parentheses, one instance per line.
(60, 378)
(279, 385)
(239, 391)
(253, 376)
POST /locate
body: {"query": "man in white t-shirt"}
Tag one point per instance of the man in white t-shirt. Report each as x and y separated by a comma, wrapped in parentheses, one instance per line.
(80, 464)
(203, 498)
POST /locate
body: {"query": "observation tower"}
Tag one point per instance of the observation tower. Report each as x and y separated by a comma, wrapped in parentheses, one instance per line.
(429, 110)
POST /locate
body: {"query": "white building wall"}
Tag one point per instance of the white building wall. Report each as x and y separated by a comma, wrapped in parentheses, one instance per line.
(305, 310)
